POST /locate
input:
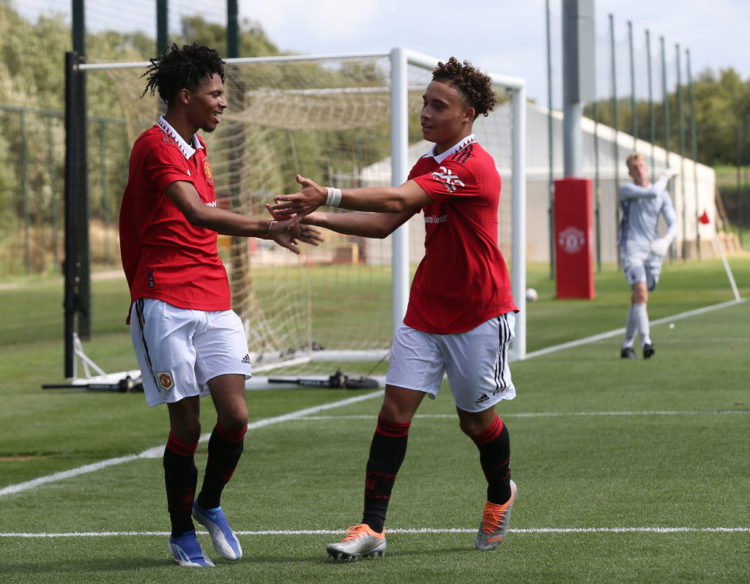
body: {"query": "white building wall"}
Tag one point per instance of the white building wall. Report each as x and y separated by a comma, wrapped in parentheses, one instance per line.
(598, 147)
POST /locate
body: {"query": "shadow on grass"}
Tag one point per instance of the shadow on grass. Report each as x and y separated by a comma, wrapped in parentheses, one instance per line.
(80, 566)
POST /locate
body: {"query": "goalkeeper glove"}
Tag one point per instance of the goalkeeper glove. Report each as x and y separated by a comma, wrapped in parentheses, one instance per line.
(660, 246)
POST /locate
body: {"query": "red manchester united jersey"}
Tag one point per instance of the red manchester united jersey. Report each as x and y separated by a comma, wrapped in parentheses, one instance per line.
(462, 280)
(163, 255)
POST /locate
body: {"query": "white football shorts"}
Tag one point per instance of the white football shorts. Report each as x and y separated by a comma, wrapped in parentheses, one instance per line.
(180, 350)
(476, 362)
(641, 266)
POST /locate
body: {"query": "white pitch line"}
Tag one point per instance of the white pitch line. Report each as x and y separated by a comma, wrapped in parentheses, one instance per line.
(158, 450)
(542, 415)
(421, 530)
(59, 476)
(620, 331)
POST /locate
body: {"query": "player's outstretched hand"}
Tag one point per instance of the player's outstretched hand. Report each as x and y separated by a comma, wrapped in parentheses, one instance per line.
(669, 173)
(309, 198)
(314, 218)
(294, 230)
(311, 236)
(277, 215)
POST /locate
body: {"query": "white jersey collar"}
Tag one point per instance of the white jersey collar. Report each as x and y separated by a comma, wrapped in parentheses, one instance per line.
(187, 149)
(451, 151)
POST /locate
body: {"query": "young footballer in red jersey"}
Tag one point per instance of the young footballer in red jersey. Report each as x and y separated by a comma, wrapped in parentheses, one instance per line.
(188, 341)
(460, 317)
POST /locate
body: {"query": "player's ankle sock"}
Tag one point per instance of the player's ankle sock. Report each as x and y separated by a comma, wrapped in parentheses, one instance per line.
(494, 456)
(631, 326)
(225, 448)
(644, 330)
(180, 478)
(387, 452)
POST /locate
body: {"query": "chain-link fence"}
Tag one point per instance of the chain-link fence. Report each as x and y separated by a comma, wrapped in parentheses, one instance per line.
(36, 34)
(32, 186)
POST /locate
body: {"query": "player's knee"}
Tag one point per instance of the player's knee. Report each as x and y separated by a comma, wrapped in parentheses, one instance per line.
(234, 420)
(188, 431)
(238, 423)
(640, 293)
(184, 420)
(399, 404)
(392, 411)
(473, 424)
(470, 428)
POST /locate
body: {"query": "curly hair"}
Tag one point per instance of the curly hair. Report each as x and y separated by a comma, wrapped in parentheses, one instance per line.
(475, 85)
(178, 68)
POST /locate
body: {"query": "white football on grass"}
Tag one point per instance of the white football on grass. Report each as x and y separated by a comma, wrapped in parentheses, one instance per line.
(531, 294)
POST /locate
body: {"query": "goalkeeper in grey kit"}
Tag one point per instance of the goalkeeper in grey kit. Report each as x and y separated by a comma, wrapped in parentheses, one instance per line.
(641, 246)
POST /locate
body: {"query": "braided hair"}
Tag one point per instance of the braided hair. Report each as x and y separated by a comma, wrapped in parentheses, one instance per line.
(475, 85)
(181, 68)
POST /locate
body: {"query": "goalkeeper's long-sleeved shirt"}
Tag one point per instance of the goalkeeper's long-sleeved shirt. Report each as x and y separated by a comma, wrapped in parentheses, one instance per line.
(641, 207)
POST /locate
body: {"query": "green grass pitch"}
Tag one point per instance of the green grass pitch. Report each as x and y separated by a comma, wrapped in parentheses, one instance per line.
(628, 471)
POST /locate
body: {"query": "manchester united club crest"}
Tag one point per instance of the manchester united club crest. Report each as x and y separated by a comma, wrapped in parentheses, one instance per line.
(165, 380)
(207, 171)
(571, 239)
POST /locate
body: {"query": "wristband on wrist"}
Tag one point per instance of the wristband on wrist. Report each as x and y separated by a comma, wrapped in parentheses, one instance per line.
(334, 197)
(270, 224)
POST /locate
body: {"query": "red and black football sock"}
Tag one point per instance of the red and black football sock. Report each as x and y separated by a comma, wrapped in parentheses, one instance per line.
(387, 452)
(180, 478)
(224, 451)
(494, 456)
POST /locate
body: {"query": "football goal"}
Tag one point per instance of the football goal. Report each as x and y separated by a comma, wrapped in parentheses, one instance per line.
(343, 121)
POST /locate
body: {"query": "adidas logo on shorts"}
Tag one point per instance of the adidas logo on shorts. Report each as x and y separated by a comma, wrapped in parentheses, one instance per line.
(246, 359)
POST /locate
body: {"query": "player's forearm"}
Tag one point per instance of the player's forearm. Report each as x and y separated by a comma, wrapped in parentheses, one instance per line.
(408, 197)
(187, 200)
(633, 191)
(671, 219)
(229, 223)
(364, 224)
(376, 199)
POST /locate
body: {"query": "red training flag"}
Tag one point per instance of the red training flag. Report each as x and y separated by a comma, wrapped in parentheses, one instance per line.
(704, 218)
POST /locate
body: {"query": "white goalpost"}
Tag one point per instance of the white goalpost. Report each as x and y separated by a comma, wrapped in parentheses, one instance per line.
(344, 121)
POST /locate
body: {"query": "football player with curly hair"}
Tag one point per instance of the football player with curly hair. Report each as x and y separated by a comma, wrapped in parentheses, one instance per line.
(188, 341)
(461, 313)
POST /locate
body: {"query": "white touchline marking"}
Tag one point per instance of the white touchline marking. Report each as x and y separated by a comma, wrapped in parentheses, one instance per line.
(541, 415)
(621, 331)
(157, 451)
(542, 530)
(59, 476)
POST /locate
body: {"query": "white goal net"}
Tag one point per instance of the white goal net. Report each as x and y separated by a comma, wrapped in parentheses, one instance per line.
(344, 121)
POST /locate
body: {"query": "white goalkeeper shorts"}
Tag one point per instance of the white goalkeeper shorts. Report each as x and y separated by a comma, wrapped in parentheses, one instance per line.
(641, 266)
(476, 362)
(180, 350)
